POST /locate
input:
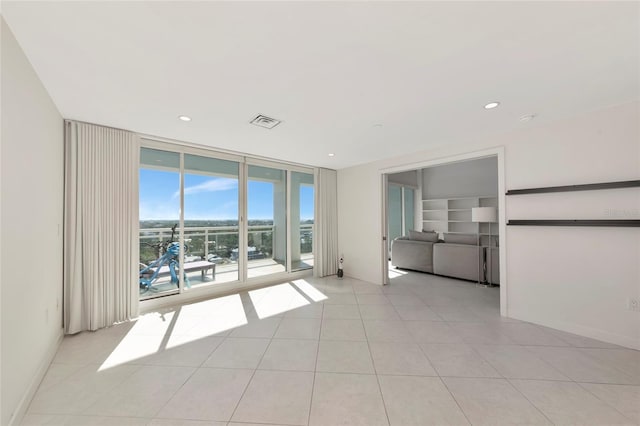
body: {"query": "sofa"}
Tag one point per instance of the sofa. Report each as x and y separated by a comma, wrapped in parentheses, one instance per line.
(456, 255)
(412, 254)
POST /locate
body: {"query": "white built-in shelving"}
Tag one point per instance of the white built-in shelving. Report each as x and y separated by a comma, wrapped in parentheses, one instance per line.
(453, 215)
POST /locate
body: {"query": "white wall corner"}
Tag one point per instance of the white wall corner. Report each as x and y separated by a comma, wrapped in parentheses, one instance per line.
(23, 405)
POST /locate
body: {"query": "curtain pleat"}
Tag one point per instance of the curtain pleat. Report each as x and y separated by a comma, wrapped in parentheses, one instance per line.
(101, 226)
(326, 223)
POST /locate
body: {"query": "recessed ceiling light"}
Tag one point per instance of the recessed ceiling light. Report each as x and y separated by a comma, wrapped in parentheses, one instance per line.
(377, 125)
(332, 155)
(491, 105)
(184, 118)
(527, 117)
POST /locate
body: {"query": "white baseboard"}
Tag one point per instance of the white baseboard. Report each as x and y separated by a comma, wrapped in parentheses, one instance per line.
(592, 333)
(23, 405)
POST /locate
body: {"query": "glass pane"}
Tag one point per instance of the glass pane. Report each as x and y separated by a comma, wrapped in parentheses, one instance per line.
(159, 213)
(267, 221)
(210, 220)
(409, 212)
(395, 212)
(302, 193)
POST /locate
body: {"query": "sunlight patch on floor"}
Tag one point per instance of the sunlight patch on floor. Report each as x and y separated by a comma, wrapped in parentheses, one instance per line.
(395, 273)
(276, 300)
(310, 291)
(156, 332)
(131, 348)
(213, 318)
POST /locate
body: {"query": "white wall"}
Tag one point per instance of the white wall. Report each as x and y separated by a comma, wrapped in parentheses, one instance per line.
(471, 178)
(31, 222)
(409, 178)
(574, 279)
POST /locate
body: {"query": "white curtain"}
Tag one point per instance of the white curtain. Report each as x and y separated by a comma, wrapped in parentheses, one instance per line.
(101, 226)
(326, 213)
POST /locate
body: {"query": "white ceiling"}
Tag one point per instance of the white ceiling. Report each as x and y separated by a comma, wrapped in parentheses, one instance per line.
(333, 72)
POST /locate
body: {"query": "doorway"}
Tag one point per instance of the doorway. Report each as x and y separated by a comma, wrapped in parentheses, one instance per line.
(449, 195)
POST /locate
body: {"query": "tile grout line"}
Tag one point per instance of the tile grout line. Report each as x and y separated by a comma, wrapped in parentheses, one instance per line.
(529, 401)
(454, 399)
(595, 358)
(315, 368)
(445, 385)
(110, 388)
(195, 370)
(39, 388)
(176, 391)
(602, 400)
(375, 370)
(252, 375)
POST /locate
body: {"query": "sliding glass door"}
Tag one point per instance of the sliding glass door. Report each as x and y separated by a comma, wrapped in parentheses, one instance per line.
(211, 220)
(193, 232)
(401, 211)
(267, 221)
(395, 213)
(408, 213)
(159, 208)
(302, 220)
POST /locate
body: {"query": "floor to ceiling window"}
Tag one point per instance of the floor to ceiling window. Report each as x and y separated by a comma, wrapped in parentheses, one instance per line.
(159, 211)
(408, 204)
(211, 211)
(267, 221)
(395, 212)
(302, 220)
(192, 232)
(401, 210)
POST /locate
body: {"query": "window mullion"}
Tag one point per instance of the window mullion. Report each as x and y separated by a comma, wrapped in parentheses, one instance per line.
(243, 227)
(181, 227)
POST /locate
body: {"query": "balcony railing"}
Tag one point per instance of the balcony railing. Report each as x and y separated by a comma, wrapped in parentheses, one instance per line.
(220, 243)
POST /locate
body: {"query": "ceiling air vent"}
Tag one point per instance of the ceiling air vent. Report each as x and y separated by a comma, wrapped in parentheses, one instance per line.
(264, 121)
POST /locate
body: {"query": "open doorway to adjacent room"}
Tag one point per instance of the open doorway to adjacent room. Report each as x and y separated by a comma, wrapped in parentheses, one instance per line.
(443, 223)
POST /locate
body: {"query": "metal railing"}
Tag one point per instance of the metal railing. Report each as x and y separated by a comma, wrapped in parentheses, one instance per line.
(222, 240)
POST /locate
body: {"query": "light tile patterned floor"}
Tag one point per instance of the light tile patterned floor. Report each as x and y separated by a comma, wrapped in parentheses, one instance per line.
(423, 350)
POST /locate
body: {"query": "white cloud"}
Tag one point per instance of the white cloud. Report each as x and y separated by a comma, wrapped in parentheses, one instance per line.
(212, 185)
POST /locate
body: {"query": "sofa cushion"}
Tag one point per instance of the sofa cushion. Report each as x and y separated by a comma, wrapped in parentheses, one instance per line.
(430, 237)
(415, 255)
(457, 260)
(461, 239)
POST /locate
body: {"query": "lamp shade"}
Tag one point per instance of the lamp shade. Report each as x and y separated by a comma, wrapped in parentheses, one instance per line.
(484, 214)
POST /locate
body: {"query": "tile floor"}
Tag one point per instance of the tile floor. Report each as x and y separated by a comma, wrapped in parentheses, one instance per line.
(424, 350)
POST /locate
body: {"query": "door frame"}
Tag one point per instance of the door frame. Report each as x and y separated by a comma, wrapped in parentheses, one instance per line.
(474, 155)
(385, 228)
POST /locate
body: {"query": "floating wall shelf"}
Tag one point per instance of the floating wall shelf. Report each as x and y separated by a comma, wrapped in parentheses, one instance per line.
(569, 188)
(632, 223)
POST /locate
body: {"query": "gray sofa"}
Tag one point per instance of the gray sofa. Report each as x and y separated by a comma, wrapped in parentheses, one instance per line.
(457, 256)
(411, 254)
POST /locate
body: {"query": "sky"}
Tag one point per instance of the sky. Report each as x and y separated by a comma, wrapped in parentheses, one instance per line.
(208, 198)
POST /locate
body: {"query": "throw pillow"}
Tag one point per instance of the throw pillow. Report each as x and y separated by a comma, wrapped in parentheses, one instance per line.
(461, 239)
(430, 237)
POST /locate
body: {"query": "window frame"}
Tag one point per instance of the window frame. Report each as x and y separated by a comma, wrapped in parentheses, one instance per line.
(243, 282)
